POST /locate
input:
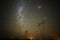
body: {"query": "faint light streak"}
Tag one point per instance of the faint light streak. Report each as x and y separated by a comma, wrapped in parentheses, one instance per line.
(19, 18)
(20, 15)
(20, 10)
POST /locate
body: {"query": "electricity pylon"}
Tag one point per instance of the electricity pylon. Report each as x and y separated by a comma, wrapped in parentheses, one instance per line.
(43, 27)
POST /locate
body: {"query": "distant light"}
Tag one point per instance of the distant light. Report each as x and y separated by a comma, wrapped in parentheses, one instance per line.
(44, 18)
(39, 6)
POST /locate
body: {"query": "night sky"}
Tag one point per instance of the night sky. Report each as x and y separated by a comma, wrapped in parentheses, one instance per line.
(34, 11)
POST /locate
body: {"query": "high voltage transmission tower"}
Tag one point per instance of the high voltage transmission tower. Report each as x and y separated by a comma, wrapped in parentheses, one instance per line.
(41, 25)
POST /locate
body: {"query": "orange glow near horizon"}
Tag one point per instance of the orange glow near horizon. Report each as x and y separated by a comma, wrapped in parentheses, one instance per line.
(31, 38)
